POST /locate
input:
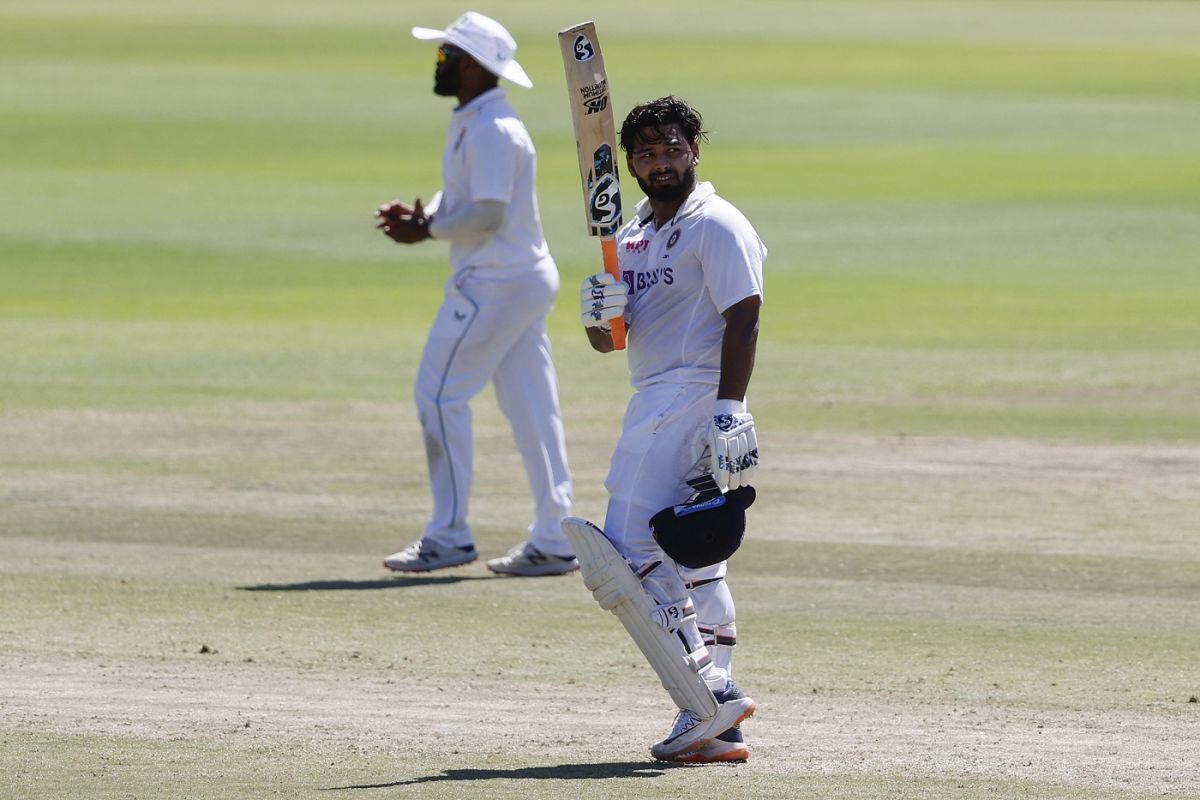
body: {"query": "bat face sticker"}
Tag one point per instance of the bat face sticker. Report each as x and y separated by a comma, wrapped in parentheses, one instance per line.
(604, 205)
(604, 193)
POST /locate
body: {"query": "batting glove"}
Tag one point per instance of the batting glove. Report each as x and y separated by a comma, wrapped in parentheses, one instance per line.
(602, 298)
(732, 444)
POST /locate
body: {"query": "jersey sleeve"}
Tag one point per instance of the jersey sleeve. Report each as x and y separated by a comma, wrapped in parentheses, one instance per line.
(495, 153)
(732, 256)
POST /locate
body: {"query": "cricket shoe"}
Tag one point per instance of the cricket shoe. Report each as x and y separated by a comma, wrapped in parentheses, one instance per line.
(425, 556)
(527, 561)
(691, 731)
(728, 746)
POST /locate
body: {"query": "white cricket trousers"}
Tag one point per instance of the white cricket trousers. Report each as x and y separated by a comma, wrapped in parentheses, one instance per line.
(650, 465)
(493, 327)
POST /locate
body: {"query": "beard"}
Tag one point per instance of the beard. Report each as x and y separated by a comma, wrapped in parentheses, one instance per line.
(670, 192)
(447, 80)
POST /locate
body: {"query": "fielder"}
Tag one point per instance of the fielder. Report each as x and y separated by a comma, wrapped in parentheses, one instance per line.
(692, 287)
(492, 323)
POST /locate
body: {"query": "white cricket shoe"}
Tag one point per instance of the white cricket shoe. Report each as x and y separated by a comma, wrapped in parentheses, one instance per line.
(728, 746)
(691, 731)
(527, 561)
(425, 556)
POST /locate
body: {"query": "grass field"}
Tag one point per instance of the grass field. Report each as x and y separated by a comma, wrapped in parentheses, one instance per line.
(974, 570)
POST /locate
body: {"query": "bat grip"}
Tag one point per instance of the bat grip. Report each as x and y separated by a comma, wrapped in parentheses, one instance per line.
(608, 246)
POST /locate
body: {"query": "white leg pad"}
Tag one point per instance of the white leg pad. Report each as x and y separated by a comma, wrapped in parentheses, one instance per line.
(617, 589)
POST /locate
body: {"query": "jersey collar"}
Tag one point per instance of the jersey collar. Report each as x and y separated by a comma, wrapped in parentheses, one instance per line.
(479, 101)
(703, 191)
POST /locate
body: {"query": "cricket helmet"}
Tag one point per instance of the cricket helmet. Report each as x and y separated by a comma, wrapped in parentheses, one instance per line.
(706, 531)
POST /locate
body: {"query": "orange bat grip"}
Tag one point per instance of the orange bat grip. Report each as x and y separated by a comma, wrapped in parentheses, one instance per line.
(608, 246)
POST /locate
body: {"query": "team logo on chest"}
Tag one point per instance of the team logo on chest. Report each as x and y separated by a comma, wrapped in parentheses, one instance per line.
(645, 276)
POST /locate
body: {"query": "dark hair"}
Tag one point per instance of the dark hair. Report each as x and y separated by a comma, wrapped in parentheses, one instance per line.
(669, 110)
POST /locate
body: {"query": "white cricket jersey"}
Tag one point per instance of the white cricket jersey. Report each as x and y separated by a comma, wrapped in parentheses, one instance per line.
(681, 278)
(489, 156)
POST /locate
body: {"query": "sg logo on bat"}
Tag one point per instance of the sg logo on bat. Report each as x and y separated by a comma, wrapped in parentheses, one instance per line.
(584, 51)
(604, 193)
(604, 205)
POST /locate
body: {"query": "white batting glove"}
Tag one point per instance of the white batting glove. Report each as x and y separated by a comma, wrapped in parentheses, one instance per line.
(602, 298)
(731, 443)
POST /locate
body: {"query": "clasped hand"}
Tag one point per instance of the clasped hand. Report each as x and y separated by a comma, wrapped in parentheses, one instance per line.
(404, 223)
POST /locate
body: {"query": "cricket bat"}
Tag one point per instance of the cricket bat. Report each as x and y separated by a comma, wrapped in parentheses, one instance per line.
(596, 141)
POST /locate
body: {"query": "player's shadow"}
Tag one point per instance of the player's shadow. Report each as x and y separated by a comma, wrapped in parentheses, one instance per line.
(358, 586)
(561, 772)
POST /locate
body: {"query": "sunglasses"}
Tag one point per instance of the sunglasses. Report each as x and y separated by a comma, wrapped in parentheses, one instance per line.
(448, 52)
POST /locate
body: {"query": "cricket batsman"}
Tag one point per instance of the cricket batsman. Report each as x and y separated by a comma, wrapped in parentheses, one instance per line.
(690, 293)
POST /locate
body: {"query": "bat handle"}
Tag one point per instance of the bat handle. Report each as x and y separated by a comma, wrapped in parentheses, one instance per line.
(608, 246)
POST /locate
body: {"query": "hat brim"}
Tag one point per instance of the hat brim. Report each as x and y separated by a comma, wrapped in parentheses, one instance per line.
(512, 70)
(516, 73)
(428, 34)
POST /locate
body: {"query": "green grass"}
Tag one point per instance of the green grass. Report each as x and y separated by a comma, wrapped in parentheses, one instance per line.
(977, 380)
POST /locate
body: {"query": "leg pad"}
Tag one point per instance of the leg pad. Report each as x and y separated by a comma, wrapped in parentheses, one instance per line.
(617, 589)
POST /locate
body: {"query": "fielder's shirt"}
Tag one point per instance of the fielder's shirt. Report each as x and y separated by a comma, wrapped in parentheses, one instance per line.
(680, 278)
(489, 156)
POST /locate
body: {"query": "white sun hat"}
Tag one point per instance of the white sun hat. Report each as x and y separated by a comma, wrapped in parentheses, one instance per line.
(486, 40)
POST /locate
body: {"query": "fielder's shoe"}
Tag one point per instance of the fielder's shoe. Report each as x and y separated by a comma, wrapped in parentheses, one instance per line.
(529, 562)
(691, 731)
(729, 746)
(424, 556)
